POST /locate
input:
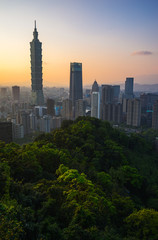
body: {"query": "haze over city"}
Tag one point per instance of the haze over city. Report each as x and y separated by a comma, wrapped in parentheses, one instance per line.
(113, 39)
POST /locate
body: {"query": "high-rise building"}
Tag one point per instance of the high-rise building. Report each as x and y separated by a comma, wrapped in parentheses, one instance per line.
(107, 97)
(129, 112)
(129, 88)
(33, 122)
(155, 116)
(134, 112)
(50, 107)
(124, 103)
(95, 101)
(40, 111)
(117, 113)
(16, 93)
(107, 94)
(66, 111)
(107, 112)
(25, 121)
(116, 89)
(95, 87)
(79, 108)
(36, 69)
(147, 102)
(45, 123)
(76, 91)
(111, 109)
(18, 131)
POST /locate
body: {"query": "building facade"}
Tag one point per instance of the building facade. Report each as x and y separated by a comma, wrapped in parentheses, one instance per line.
(95, 101)
(76, 91)
(36, 69)
(129, 88)
(66, 111)
(134, 112)
(107, 98)
(44, 123)
(116, 89)
(79, 108)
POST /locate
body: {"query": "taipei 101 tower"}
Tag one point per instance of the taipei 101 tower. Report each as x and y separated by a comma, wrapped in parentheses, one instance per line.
(36, 69)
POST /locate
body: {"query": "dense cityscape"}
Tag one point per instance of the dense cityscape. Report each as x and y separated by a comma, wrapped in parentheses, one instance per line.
(79, 120)
(25, 112)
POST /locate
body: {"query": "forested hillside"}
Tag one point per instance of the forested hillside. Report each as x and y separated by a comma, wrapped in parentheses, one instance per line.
(85, 181)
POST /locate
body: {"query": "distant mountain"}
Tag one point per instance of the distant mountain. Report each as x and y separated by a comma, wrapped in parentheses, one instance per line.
(146, 87)
(143, 87)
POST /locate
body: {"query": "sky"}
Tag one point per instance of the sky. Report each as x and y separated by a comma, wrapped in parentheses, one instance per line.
(113, 39)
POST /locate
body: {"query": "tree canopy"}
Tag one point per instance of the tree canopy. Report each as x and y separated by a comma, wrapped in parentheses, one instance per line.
(85, 180)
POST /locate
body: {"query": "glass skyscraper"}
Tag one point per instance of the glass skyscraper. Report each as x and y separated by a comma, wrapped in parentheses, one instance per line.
(129, 88)
(76, 91)
(36, 69)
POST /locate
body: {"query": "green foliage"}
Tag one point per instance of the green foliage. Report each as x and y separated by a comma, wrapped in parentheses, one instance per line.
(124, 206)
(129, 177)
(10, 227)
(83, 181)
(82, 198)
(104, 180)
(143, 224)
(4, 180)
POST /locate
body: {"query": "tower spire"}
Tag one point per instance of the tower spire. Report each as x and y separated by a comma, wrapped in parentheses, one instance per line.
(35, 33)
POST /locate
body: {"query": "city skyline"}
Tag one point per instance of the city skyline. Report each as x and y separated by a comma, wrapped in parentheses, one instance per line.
(112, 39)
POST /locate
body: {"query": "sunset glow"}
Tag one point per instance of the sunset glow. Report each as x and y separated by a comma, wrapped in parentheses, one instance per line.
(113, 39)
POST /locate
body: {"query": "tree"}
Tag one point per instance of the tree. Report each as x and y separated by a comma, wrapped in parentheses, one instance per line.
(10, 226)
(143, 224)
(85, 205)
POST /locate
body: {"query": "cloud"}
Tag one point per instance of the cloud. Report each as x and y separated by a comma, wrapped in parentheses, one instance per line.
(146, 53)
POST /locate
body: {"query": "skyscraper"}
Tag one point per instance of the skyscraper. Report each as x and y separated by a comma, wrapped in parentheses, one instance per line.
(107, 98)
(116, 89)
(76, 91)
(133, 112)
(129, 88)
(95, 101)
(107, 94)
(36, 69)
(111, 109)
